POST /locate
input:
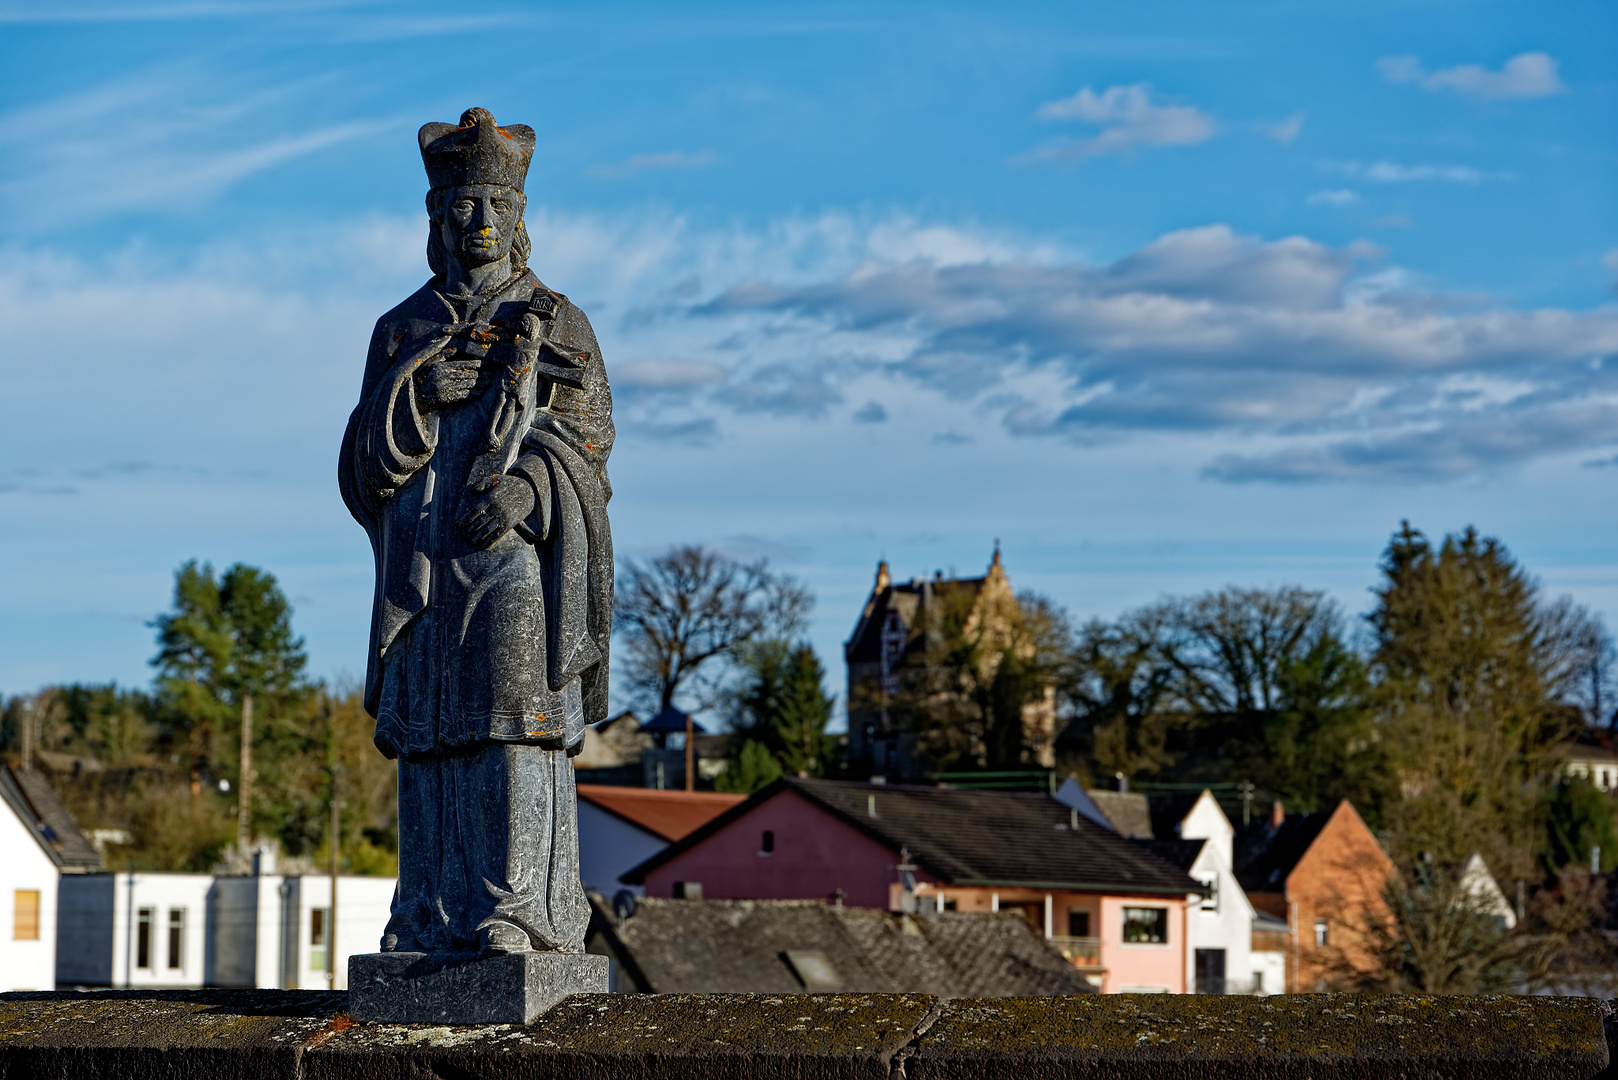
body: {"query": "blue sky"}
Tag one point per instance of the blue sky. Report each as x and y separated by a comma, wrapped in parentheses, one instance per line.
(1164, 297)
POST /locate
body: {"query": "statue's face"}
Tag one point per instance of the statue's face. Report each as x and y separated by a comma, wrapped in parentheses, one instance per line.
(480, 221)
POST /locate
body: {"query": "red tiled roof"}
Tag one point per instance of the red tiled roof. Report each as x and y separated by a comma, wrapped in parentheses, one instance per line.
(670, 814)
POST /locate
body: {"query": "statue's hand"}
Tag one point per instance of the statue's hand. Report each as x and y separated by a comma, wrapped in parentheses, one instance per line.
(506, 500)
(446, 381)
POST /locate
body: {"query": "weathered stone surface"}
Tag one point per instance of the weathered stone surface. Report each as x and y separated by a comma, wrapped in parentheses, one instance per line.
(1318, 1036)
(211, 1034)
(625, 1036)
(435, 988)
(221, 1035)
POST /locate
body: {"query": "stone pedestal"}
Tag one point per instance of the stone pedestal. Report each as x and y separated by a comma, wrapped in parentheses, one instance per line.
(467, 988)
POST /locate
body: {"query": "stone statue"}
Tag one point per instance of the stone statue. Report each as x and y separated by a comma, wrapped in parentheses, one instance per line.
(476, 461)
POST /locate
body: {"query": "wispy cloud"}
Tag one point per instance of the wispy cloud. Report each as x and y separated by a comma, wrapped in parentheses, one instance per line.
(1526, 75)
(1335, 197)
(198, 9)
(160, 138)
(1130, 117)
(1285, 131)
(668, 159)
(1393, 172)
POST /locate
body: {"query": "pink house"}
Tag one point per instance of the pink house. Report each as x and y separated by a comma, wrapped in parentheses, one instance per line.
(1113, 907)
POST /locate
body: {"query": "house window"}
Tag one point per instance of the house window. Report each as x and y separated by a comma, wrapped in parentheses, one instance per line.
(688, 890)
(1078, 923)
(767, 845)
(318, 927)
(1322, 935)
(1210, 899)
(25, 915)
(1258, 982)
(176, 938)
(1146, 925)
(143, 937)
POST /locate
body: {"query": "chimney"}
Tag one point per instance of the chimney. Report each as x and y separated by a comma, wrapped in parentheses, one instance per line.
(995, 561)
(1278, 815)
(1123, 783)
(882, 578)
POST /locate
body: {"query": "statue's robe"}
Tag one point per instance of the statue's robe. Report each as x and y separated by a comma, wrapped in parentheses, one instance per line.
(485, 664)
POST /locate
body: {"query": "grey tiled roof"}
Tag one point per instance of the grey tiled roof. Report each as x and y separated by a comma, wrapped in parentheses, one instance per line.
(1127, 810)
(31, 797)
(747, 946)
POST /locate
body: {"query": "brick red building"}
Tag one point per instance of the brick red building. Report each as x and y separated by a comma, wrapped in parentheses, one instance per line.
(1325, 874)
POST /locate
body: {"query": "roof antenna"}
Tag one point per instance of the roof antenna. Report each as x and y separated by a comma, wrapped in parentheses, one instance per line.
(996, 560)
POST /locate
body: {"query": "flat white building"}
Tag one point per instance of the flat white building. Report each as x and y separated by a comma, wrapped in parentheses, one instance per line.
(132, 930)
(263, 930)
(38, 845)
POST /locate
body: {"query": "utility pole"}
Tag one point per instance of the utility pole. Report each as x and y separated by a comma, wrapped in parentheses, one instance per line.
(244, 791)
(690, 754)
(331, 920)
(25, 715)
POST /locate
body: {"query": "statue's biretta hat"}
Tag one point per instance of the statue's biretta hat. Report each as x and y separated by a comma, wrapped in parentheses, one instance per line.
(476, 152)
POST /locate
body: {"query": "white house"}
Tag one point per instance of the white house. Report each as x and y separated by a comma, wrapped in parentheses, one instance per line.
(1219, 929)
(38, 845)
(1484, 894)
(133, 930)
(263, 930)
(1596, 765)
(1219, 925)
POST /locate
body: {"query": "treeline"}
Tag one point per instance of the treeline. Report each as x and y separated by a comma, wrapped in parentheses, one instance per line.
(156, 771)
(1445, 719)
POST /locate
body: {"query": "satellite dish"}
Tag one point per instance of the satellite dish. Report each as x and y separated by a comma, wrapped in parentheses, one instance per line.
(623, 904)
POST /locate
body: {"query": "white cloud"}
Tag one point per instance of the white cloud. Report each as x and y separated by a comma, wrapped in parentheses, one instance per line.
(674, 375)
(1393, 172)
(1610, 260)
(1526, 75)
(668, 159)
(1285, 131)
(1129, 117)
(1337, 197)
(1400, 69)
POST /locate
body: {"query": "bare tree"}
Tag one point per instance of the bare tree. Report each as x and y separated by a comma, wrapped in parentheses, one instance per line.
(683, 613)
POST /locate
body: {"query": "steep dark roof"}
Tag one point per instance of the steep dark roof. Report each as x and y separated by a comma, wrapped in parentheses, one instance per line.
(749, 946)
(964, 837)
(36, 805)
(671, 720)
(1265, 856)
(1167, 812)
(1181, 853)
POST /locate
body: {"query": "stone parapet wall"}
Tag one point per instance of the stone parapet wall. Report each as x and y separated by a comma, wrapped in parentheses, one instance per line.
(308, 1035)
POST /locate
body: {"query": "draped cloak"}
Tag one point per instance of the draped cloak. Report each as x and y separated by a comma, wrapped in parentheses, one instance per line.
(521, 628)
(485, 664)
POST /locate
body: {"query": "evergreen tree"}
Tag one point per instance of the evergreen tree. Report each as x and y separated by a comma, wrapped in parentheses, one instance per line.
(782, 707)
(229, 639)
(751, 768)
(1578, 819)
(1474, 671)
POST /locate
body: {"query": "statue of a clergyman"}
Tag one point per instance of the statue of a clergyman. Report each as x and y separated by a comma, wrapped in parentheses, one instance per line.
(476, 460)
